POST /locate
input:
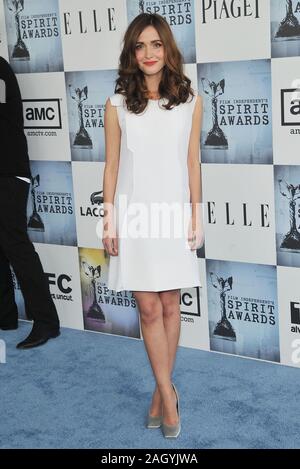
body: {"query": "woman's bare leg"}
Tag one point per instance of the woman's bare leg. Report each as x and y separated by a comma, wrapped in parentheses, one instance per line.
(172, 321)
(156, 343)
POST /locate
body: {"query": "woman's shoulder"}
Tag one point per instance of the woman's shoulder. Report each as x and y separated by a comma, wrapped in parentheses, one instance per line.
(116, 99)
(196, 98)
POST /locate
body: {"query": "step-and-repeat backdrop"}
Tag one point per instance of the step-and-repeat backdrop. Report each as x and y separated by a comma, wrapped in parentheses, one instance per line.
(243, 58)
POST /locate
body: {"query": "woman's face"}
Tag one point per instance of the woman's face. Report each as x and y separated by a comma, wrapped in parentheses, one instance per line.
(149, 51)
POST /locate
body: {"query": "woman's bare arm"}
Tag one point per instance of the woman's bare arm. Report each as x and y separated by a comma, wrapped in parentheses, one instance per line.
(193, 160)
(112, 133)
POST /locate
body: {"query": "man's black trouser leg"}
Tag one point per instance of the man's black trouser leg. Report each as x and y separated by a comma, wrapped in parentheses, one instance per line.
(8, 307)
(20, 252)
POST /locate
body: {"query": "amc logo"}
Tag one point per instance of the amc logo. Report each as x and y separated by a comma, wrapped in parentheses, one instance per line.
(42, 114)
(190, 301)
(290, 111)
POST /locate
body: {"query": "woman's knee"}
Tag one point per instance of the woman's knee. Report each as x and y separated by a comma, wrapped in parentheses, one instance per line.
(150, 310)
(170, 304)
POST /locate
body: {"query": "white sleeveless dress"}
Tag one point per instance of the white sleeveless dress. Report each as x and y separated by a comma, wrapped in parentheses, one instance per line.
(153, 169)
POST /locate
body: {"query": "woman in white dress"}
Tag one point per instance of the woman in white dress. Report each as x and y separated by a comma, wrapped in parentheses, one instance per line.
(152, 134)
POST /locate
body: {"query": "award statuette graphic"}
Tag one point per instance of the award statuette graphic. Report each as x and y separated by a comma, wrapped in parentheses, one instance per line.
(223, 327)
(94, 312)
(289, 27)
(215, 139)
(35, 222)
(20, 51)
(141, 6)
(292, 239)
(82, 138)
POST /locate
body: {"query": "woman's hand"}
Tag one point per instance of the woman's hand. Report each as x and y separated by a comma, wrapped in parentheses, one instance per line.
(195, 233)
(110, 244)
(110, 237)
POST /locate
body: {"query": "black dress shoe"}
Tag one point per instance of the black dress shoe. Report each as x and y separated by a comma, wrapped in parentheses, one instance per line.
(38, 336)
(9, 327)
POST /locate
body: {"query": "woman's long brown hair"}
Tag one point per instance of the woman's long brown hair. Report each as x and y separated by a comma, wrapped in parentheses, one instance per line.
(174, 85)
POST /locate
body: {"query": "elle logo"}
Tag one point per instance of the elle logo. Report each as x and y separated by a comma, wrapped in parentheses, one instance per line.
(86, 22)
(241, 217)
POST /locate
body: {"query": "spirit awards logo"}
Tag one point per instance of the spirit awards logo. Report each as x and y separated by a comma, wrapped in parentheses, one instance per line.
(35, 25)
(295, 316)
(20, 51)
(215, 138)
(289, 27)
(60, 203)
(93, 273)
(292, 239)
(82, 138)
(175, 12)
(35, 222)
(223, 328)
(96, 207)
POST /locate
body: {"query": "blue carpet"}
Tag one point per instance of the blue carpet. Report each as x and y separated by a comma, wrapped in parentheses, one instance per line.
(91, 390)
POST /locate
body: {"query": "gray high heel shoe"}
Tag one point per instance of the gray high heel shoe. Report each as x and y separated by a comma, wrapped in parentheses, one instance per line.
(172, 431)
(154, 422)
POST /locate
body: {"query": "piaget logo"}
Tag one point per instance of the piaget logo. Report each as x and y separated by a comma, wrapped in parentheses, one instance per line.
(228, 9)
